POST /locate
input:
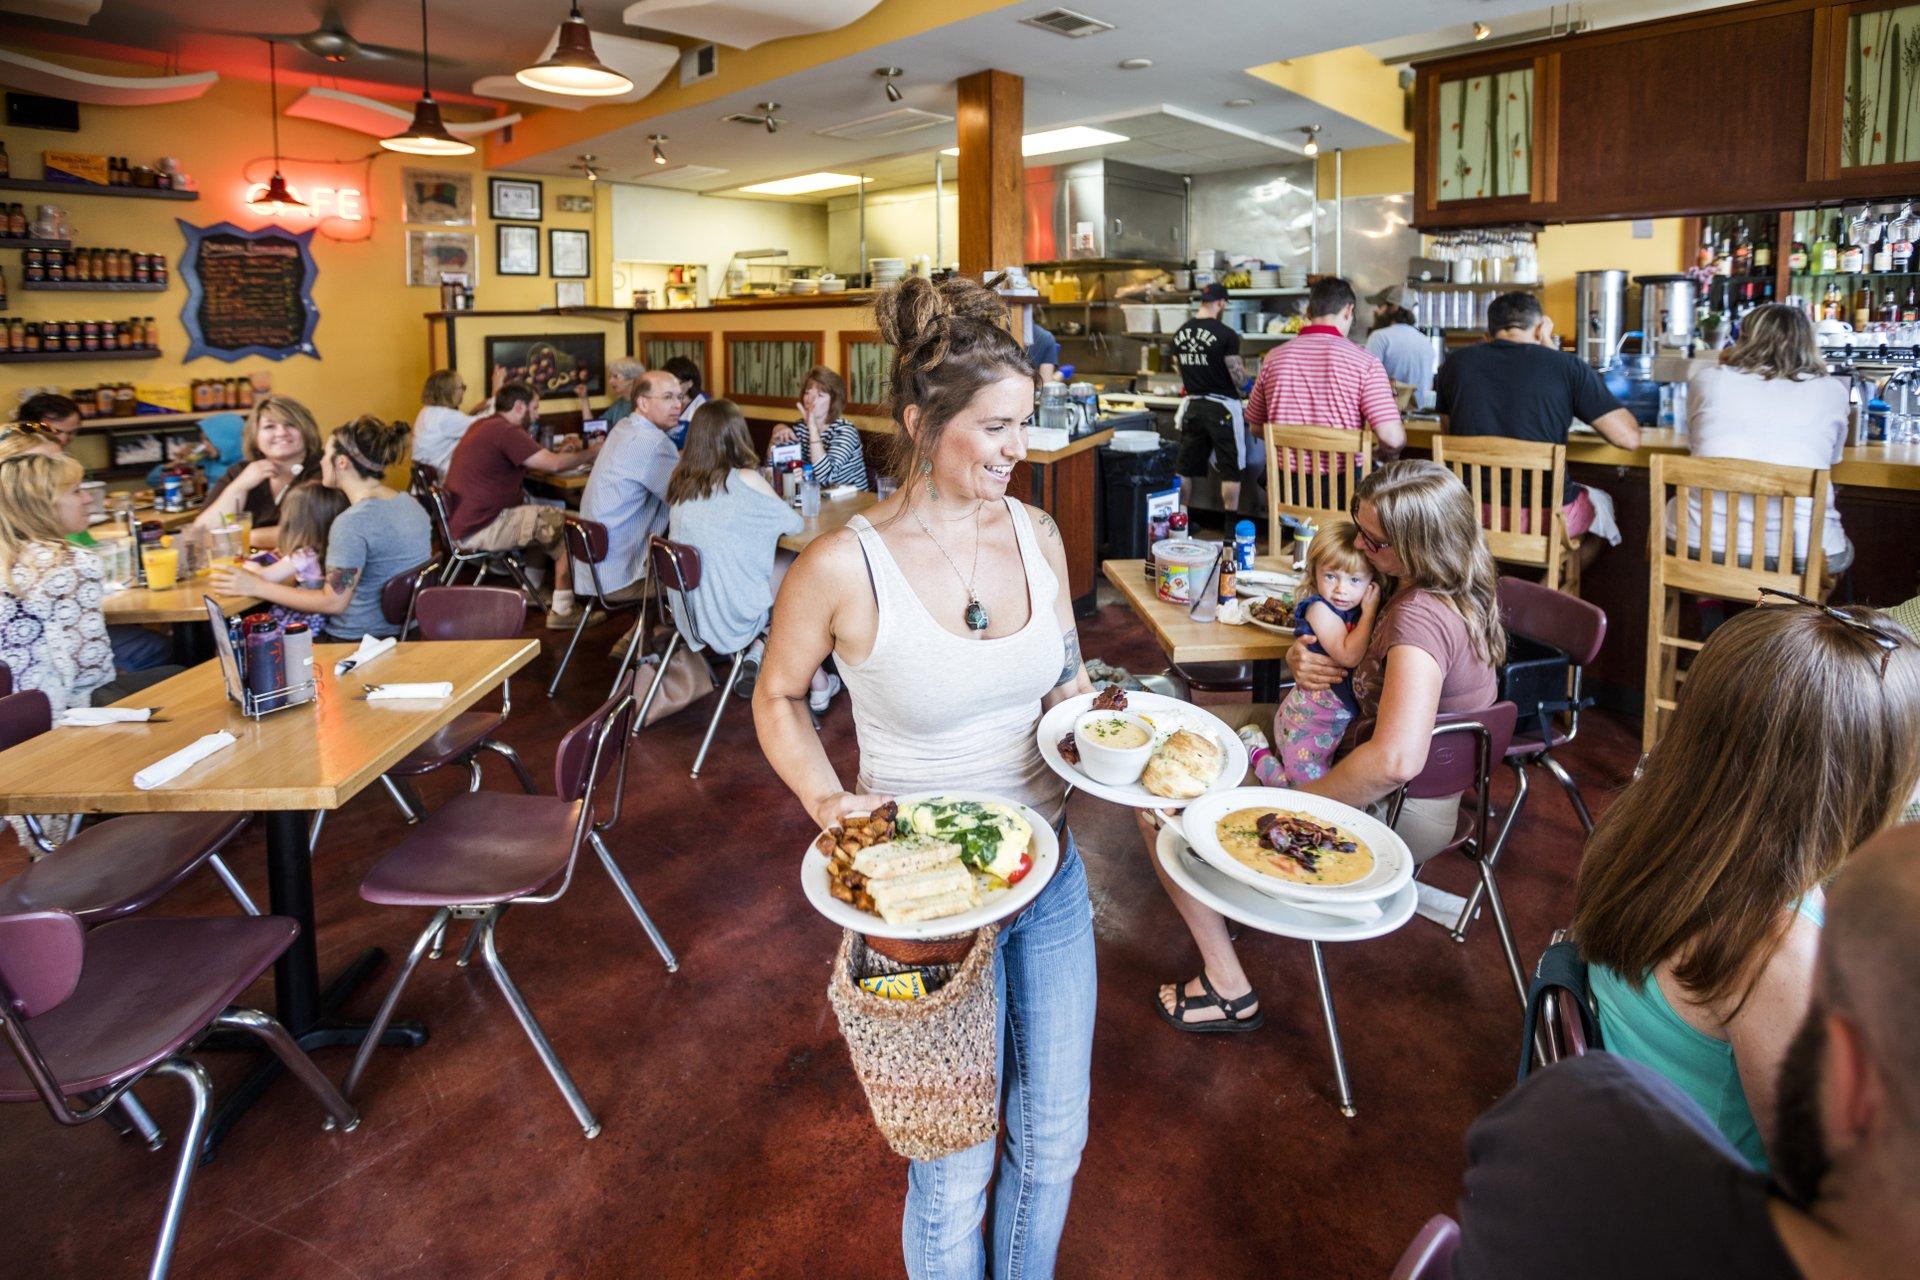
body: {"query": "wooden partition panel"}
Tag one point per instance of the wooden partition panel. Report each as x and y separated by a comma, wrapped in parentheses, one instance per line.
(745, 383)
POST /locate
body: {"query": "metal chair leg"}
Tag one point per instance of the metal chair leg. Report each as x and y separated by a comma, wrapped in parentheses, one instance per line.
(1333, 1031)
(720, 709)
(1472, 905)
(633, 902)
(475, 779)
(524, 1015)
(1572, 789)
(379, 1027)
(653, 690)
(1499, 910)
(627, 659)
(313, 828)
(234, 887)
(472, 943)
(512, 758)
(200, 1085)
(340, 1113)
(404, 797)
(439, 941)
(586, 615)
(136, 1115)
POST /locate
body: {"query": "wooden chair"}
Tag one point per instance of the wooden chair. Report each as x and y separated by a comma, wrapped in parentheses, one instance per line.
(1734, 500)
(1518, 486)
(1316, 479)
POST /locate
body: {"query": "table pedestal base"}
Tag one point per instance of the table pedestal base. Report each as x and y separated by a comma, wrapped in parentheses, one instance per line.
(329, 1032)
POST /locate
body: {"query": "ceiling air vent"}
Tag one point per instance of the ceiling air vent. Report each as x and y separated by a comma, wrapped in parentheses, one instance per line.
(886, 125)
(686, 176)
(1065, 22)
(702, 62)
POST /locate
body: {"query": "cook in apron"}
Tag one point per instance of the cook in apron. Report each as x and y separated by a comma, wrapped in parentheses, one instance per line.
(1243, 450)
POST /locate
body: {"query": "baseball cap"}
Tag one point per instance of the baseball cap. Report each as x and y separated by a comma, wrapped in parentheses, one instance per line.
(1213, 293)
(1394, 295)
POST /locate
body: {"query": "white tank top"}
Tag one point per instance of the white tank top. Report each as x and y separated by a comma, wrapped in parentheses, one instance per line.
(932, 710)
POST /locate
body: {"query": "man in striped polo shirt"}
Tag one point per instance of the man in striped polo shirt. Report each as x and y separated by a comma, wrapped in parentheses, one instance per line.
(1320, 378)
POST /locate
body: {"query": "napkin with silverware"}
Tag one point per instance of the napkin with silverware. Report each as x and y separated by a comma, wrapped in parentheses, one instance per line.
(370, 648)
(427, 690)
(83, 717)
(161, 772)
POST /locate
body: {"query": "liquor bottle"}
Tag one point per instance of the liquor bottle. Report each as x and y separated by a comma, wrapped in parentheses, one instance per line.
(1723, 257)
(1763, 252)
(1742, 250)
(1882, 249)
(1911, 311)
(1890, 309)
(1797, 258)
(1903, 243)
(1704, 257)
(1862, 309)
(1830, 305)
(1853, 255)
(1826, 251)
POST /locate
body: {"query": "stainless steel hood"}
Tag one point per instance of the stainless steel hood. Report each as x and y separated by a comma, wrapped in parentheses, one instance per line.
(1105, 209)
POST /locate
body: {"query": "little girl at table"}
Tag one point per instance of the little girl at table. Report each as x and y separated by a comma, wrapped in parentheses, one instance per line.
(306, 513)
(1335, 616)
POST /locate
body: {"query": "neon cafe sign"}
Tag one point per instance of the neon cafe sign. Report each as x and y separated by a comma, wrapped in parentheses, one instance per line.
(348, 204)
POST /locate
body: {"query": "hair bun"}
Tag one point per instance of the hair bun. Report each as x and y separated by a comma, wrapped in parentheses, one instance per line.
(918, 311)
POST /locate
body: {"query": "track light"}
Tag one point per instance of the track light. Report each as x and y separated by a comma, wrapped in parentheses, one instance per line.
(659, 156)
(1313, 139)
(889, 74)
(1481, 31)
(574, 68)
(768, 118)
(587, 162)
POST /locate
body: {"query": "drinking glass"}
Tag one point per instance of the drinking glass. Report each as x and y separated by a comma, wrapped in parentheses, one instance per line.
(163, 566)
(242, 521)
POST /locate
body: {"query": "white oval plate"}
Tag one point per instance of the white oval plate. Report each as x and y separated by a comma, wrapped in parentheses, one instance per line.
(1392, 862)
(1058, 723)
(998, 906)
(1251, 907)
(1268, 626)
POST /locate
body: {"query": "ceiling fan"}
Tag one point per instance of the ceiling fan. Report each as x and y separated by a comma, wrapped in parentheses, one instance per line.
(332, 42)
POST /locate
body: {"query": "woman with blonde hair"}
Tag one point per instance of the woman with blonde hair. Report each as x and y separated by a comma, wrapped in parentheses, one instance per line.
(1698, 905)
(441, 422)
(1433, 650)
(282, 448)
(1770, 399)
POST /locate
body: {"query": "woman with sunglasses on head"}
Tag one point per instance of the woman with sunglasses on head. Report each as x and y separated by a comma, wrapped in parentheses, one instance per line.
(1698, 905)
(945, 607)
(1435, 644)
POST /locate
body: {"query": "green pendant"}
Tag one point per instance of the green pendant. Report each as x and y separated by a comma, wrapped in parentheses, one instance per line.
(976, 616)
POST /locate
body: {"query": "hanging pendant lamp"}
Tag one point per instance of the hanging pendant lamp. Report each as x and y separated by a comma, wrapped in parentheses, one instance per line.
(574, 68)
(427, 135)
(276, 197)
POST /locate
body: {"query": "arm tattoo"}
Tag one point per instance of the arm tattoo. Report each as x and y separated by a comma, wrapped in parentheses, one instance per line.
(342, 581)
(1046, 522)
(1237, 370)
(1070, 663)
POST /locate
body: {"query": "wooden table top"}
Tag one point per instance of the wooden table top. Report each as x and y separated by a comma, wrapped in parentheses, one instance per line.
(167, 520)
(180, 603)
(833, 515)
(571, 481)
(1184, 639)
(313, 757)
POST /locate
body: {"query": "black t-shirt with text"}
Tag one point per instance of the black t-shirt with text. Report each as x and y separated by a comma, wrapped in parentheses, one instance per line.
(1200, 351)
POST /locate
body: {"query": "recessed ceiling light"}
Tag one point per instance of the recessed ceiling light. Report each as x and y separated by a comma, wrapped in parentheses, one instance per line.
(1239, 102)
(1071, 138)
(1135, 64)
(805, 184)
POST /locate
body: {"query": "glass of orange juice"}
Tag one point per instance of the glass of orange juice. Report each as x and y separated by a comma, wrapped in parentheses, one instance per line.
(241, 522)
(162, 562)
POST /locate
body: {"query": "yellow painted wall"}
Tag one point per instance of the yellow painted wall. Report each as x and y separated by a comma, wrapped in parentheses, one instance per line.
(1368, 171)
(371, 336)
(1350, 81)
(1594, 246)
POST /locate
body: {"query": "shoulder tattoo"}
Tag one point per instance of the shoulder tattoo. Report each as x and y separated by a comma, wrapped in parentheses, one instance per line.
(342, 581)
(1046, 523)
(1070, 656)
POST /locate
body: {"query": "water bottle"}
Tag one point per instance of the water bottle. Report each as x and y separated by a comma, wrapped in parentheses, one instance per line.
(1243, 544)
(809, 493)
(266, 665)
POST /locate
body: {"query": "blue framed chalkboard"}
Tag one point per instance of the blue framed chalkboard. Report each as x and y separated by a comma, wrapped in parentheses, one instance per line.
(249, 293)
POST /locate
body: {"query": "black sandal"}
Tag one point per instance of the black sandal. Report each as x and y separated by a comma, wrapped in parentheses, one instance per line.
(1229, 1022)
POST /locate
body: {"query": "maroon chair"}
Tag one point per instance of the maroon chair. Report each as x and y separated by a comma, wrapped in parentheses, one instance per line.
(676, 570)
(440, 502)
(118, 867)
(587, 545)
(397, 595)
(1429, 1255)
(90, 1014)
(485, 851)
(465, 613)
(1460, 760)
(1572, 627)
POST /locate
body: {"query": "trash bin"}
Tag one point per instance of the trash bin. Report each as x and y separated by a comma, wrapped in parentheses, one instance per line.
(1127, 479)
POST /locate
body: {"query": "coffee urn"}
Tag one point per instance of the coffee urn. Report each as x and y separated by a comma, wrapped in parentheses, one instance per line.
(1599, 308)
(1666, 312)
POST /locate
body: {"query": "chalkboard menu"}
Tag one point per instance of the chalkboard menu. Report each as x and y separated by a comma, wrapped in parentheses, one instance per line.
(249, 293)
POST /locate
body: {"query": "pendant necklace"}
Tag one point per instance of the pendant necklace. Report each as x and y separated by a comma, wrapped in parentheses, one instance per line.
(976, 615)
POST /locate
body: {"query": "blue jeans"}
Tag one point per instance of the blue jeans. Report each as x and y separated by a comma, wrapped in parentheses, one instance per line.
(1044, 975)
(136, 649)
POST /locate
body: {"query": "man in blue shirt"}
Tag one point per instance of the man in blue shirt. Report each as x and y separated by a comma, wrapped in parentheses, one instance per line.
(1044, 352)
(627, 491)
(1407, 353)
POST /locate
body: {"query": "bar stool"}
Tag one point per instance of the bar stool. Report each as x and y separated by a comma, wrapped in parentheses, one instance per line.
(1734, 502)
(1519, 488)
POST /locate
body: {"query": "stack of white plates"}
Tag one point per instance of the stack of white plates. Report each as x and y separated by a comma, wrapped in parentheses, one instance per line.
(1264, 278)
(1368, 898)
(887, 271)
(1136, 441)
(1292, 279)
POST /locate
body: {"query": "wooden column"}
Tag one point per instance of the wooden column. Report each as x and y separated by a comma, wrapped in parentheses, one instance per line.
(992, 108)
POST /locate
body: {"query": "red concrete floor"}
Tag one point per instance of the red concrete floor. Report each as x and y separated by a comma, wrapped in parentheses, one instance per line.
(737, 1141)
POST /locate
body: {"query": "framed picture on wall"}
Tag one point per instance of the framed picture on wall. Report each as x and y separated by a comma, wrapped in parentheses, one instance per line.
(516, 198)
(432, 254)
(517, 250)
(574, 204)
(551, 363)
(570, 253)
(569, 293)
(440, 196)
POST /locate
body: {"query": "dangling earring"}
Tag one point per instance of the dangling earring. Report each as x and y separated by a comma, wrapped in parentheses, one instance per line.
(933, 490)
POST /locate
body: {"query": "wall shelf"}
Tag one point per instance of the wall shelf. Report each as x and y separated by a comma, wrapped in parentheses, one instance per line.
(32, 242)
(50, 357)
(92, 189)
(142, 421)
(89, 286)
